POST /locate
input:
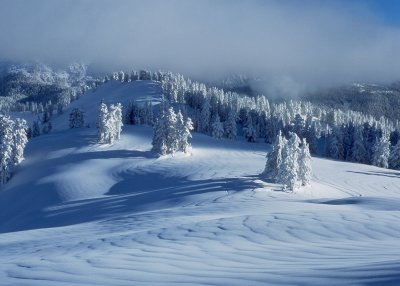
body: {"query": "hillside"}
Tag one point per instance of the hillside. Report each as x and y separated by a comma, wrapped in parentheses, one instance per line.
(374, 99)
(80, 213)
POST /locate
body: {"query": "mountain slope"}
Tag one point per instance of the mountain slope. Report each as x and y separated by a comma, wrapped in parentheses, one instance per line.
(78, 213)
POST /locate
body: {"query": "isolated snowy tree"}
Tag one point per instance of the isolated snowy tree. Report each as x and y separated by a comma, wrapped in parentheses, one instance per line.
(274, 158)
(183, 129)
(381, 152)
(165, 135)
(171, 134)
(288, 172)
(115, 119)
(109, 123)
(304, 160)
(217, 128)
(76, 118)
(102, 125)
(394, 159)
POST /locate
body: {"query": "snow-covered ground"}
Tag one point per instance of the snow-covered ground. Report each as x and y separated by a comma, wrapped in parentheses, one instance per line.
(77, 213)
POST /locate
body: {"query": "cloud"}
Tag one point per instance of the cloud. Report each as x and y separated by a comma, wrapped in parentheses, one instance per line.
(292, 43)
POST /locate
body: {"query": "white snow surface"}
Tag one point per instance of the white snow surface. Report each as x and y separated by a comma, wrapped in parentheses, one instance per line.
(79, 213)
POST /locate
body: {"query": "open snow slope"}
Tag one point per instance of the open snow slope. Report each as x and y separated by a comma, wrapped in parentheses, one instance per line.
(77, 213)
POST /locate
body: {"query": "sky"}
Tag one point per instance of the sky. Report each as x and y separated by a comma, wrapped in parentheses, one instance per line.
(292, 44)
(387, 10)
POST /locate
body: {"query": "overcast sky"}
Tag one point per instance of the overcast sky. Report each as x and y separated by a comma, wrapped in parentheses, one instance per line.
(294, 43)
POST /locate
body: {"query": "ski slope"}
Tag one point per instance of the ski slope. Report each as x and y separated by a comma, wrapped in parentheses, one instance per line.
(79, 213)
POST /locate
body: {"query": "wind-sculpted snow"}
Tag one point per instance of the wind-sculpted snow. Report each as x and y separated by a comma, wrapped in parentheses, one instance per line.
(79, 213)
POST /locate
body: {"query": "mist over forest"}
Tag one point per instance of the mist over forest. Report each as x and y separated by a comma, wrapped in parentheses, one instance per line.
(293, 46)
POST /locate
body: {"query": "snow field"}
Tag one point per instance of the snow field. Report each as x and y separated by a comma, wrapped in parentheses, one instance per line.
(79, 213)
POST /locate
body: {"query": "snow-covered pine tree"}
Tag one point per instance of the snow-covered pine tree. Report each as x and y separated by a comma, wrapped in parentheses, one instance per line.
(149, 116)
(288, 172)
(205, 116)
(298, 125)
(158, 141)
(394, 159)
(348, 131)
(171, 135)
(35, 129)
(358, 152)
(46, 117)
(381, 152)
(217, 128)
(249, 130)
(305, 169)
(102, 124)
(230, 125)
(20, 139)
(76, 118)
(183, 129)
(274, 158)
(6, 148)
(129, 117)
(335, 144)
(115, 118)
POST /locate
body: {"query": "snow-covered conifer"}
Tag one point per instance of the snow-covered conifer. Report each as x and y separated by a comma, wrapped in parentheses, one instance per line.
(115, 118)
(335, 144)
(149, 116)
(20, 140)
(217, 128)
(381, 152)
(183, 129)
(249, 130)
(274, 158)
(230, 125)
(298, 125)
(158, 141)
(102, 125)
(205, 116)
(305, 169)
(35, 129)
(46, 117)
(171, 134)
(76, 118)
(288, 173)
(358, 152)
(394, 159)
(6, 148)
